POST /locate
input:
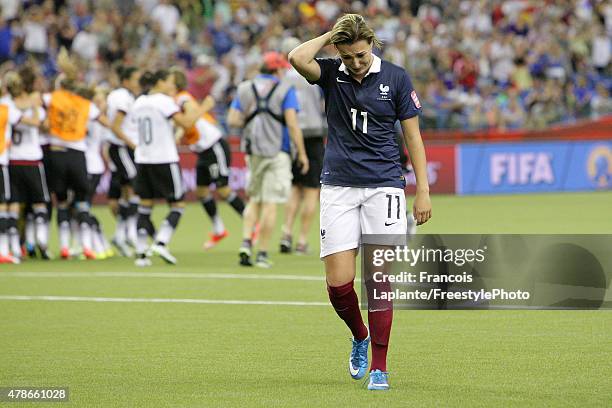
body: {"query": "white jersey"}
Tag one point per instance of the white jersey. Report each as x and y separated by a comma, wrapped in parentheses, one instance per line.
(208, 133)
(96, 135)
(121, 100)
(81, 145)
(153, 116)
(12, 119)
(26, 139)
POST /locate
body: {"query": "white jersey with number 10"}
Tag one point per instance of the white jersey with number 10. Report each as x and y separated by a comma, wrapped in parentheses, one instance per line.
(153, 116)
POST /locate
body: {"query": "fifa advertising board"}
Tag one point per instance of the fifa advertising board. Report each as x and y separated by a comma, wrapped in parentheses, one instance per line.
(494, 168)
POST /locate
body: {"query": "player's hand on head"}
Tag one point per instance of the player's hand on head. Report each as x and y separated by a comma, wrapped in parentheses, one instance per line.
(421, 209)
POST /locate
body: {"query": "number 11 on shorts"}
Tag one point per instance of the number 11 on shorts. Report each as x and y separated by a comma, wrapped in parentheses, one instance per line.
(390, 211)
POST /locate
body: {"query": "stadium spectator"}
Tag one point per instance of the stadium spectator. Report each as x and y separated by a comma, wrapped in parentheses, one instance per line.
(167, 16)
(6, 41)
(601, 103)
(468, 43)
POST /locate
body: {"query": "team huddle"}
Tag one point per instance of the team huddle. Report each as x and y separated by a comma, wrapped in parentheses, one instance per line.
(60, 144)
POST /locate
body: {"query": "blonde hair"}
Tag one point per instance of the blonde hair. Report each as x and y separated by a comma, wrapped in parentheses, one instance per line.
(351, 28)
(14, 84)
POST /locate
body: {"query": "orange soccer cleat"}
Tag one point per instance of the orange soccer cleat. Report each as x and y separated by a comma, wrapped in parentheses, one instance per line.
(65, 253)
(215, 239)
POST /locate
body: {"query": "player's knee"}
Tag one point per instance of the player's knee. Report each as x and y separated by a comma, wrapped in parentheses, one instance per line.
(224, 192)
(202, 192)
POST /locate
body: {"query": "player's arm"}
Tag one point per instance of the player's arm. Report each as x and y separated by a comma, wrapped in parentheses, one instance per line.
(412, 136)
(103, 120)
(188, 118)
(235, 118)
(303, 57)
(295, 133)
(116, 128)
(34, 120)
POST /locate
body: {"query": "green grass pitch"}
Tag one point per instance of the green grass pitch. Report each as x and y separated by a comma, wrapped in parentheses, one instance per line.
(208, 355)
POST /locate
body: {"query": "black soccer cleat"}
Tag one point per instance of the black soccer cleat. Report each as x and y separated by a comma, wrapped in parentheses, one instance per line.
(245, 256)
(285, 244)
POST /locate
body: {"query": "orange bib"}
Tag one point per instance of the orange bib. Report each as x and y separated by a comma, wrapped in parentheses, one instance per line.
(191, 135)
(4, 117)
(68, 116)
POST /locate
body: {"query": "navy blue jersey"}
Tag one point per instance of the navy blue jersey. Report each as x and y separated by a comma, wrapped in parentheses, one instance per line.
(361, 149)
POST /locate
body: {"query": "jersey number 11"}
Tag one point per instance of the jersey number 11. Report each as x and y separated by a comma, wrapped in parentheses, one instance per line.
(354, 119)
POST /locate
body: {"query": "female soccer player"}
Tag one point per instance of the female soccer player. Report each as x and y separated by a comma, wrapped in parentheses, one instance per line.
(158, 173)
(362, 177)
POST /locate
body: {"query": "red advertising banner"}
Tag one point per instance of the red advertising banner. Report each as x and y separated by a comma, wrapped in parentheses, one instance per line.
(440, 170)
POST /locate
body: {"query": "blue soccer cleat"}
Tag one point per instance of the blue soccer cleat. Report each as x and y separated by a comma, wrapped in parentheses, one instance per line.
(358, 360)
(379, 380)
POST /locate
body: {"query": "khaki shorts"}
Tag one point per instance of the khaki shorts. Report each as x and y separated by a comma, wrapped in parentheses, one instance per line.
(269, 178)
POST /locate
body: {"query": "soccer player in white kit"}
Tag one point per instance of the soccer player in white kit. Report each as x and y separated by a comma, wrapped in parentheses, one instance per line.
(156, 155)
(10, 116)
(122, 200)
(28, 179)
(97, 135)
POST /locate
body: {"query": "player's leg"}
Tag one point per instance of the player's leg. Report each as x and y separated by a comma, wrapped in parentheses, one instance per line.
(383, 213)
(80, 184)
(169, 184)
(309, 206)
(127, 170)
(117, 200)
(98, 240)
(256, 165)
(206, 172)
(291, 209)
(311, 187)
(145, 229)
(223, 158)
(132, 200)
(4, 241)
(58, 182)
(39, 196)
(29, 230)
(16, 196)
(340, 234)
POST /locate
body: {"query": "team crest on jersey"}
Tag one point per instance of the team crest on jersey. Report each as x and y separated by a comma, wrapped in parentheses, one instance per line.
(415, 99)
(384, 93)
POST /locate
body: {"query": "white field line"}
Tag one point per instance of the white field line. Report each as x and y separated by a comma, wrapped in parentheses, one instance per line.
(158, 300)
(177, 275)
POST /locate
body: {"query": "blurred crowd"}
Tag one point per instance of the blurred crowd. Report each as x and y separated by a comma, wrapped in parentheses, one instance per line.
(482, 64)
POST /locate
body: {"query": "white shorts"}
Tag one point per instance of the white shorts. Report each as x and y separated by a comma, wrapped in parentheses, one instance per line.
(349, 212)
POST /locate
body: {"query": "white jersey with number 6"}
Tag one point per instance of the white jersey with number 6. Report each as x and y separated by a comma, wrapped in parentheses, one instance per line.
(153, 116)
(25, 141)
